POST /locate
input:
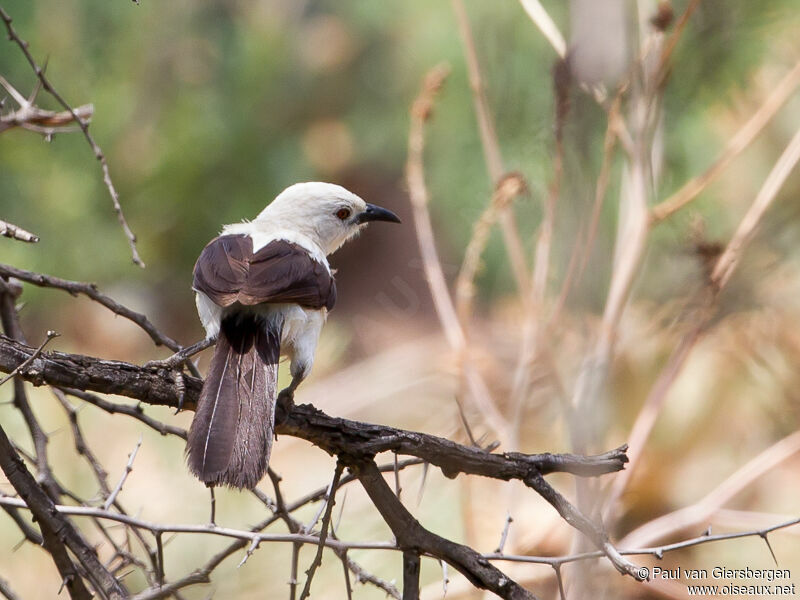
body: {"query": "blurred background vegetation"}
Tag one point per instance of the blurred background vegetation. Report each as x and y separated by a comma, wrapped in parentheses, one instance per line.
(206, 110)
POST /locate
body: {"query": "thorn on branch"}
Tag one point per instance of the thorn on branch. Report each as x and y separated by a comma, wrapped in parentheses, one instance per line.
(128, 468)
(764, 537)
(250, 550)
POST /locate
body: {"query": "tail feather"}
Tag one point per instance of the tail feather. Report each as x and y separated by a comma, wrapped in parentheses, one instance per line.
(231, 436)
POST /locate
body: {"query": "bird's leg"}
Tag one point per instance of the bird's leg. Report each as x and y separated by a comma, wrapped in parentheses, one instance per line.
(286, 395)
(181, 356)
(286, 399)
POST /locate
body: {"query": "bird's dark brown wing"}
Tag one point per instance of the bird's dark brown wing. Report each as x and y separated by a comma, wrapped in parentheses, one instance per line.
(228, 271)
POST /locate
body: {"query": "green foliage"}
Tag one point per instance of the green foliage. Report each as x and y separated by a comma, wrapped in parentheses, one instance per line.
(207, 110)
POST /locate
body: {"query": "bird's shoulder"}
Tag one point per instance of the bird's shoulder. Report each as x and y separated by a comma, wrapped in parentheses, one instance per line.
(228, 270)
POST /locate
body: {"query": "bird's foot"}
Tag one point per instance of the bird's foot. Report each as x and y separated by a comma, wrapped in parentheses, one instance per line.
(180, 357)
(284, 404)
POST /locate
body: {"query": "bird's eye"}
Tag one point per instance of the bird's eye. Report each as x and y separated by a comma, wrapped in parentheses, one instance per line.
(343, 213)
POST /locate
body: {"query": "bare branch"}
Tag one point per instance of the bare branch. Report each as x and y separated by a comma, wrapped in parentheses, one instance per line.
(98, 153)
(772, 185)
(507, 189)
(90, 290)
(491, 149)
(128, 468)
(135, 412)
(546, 25)
(411, 536)
(418, 193)
(735, 146)
(52, 521)
(323, 534)
(6, 591)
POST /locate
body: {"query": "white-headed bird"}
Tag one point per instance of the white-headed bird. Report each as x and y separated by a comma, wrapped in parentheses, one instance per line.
(263, 289)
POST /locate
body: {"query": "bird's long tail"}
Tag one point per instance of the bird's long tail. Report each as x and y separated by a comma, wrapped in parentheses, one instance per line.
(231, 435)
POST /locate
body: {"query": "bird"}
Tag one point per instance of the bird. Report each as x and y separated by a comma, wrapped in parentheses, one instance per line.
(263, 289)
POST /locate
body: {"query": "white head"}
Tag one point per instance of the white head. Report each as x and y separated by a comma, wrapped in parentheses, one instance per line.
(327, 213)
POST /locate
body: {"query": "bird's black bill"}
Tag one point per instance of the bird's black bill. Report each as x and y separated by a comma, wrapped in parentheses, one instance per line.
(376, 213)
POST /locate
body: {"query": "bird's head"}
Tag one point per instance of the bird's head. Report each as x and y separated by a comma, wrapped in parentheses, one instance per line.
(327, 213)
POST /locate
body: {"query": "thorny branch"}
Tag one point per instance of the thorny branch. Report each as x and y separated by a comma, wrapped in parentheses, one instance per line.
(348, 439)
(31, 117)
(75, 288)
(80, 120)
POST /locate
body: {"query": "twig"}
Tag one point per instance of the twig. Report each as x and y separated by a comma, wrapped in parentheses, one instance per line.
(128, 468)
(135, 412)
(672, 42)
(772, 185)
(418, 192)
(738, 143)
(718, 497)
(83, 449)
(507, 189)
(10, 230)
(160, 550)
(348, 587)
(720, 276)
(504, 535)
(397, 488)
(74, 288)
(50, 335)
(546, 25)
(574, 517)
(248, 536)
(250, 550)
(323, 534)
(293, 573)
(491, 149)
(213, 518)
(6, 591)
(98, 153)
(324, 506)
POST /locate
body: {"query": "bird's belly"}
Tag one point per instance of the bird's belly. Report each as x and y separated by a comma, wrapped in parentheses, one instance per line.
(301, 329)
